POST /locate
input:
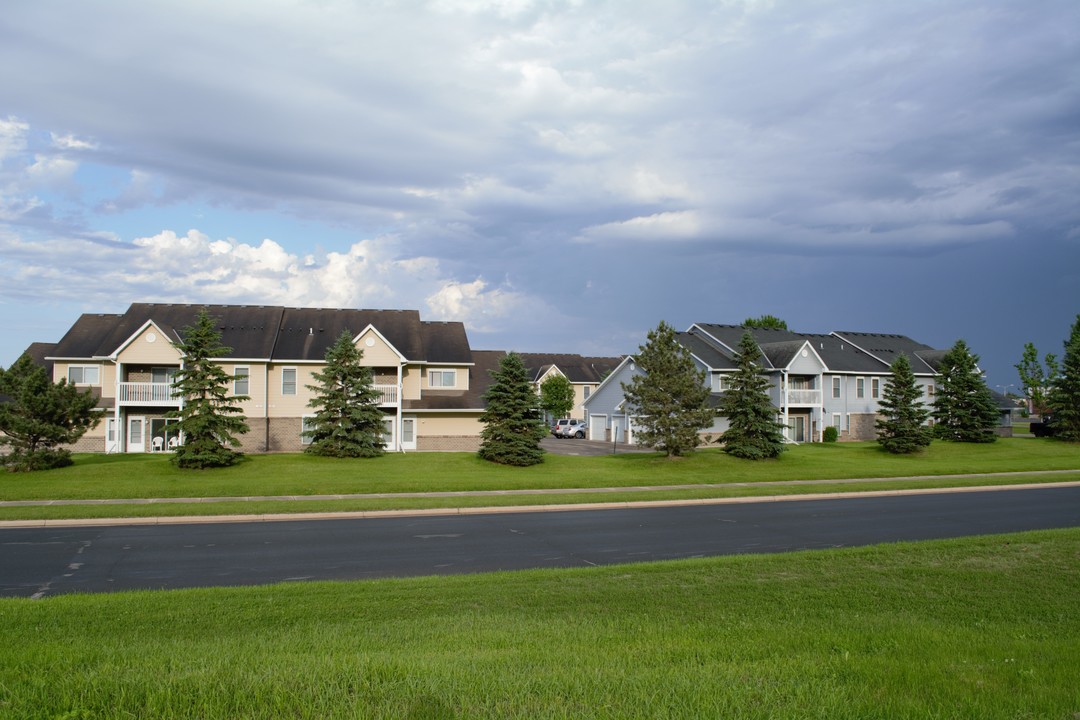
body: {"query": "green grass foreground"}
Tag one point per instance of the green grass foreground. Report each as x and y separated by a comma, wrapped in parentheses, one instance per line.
(149, 476)
(974, 628)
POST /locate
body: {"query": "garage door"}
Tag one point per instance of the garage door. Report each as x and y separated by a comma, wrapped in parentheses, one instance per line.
(598, 427)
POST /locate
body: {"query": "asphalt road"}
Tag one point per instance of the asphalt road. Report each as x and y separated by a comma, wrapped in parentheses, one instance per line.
(40, 562)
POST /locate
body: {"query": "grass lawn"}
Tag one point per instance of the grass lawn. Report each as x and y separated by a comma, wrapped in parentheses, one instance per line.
(152, 476)
(973, 628)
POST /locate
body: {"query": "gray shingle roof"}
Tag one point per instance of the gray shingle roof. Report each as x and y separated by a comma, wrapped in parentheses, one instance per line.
(576, 368)
(271, 332)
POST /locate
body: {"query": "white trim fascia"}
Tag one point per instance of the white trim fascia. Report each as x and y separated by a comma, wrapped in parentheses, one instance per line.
(433, 411)
(609, 378)
(123, 346)
(712, 337)
(799, 352)
(859, 347)
(372, 328)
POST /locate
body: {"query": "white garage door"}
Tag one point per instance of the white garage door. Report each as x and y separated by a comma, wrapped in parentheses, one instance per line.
(598, 427)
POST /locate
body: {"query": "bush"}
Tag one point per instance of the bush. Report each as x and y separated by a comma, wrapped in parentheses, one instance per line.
(31, 460)
(831, 434)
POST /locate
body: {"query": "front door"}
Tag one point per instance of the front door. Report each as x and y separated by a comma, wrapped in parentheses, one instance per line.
(136, 434)
(408, 433)
(799, 429)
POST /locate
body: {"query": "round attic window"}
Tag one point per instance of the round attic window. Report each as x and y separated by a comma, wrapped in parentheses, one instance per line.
(804, 353)
(370, 342)
(151, 337)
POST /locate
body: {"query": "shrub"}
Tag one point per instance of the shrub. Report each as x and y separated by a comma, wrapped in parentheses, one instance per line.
(831, 434)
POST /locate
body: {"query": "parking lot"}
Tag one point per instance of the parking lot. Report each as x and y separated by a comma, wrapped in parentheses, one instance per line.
(573, 446)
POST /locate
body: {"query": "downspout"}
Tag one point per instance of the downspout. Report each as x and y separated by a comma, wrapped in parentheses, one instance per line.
(400, 402)
(117, 426)
(784, 401)
(266, 405)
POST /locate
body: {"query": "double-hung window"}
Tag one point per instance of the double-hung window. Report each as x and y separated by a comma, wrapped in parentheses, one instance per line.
(84, 375)
(241, 386)
(288, 381)
(875, 387)
(442, 378)
(860, 387)
(836, 387)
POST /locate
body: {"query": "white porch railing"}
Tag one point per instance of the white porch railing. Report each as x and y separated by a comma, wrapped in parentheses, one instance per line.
(388, 394)
(803, 397)
(147, 393)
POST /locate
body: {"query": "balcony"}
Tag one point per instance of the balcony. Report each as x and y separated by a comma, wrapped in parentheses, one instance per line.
(147, 394)
(388, 395)
(803, 397)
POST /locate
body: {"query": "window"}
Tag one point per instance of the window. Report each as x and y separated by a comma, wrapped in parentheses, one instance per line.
(162, 375)
(836, 420)
(240, 381)
(930, 391)
(836, 387)
(860, 387)
(288, 381)
(588, 391)
(875, 387)
(84, 375)
(442, 378)
(719, 382)
(307, 424)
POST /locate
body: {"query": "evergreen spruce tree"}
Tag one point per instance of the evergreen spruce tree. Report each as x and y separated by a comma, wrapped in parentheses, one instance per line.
(512, 425)
(903, 429)
(753, 433)
(556, 396)
(964, 410)
(348, 421)
(670, 396)
(210, 418)
(1065, 394)
(37, 416)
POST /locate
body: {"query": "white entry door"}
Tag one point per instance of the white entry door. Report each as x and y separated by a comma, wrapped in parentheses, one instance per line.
(408, 432)
(136, 434)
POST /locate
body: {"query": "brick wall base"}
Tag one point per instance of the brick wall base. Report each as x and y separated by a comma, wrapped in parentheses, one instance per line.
(448, 443)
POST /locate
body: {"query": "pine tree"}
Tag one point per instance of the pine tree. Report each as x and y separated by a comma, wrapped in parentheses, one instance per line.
(753, 433)
(557, 396)
(512, 426)
(348, 421)
(669, 396)
(903, 429)
(37, 416)
(1065, 394)
(210, 419)
(964, 410)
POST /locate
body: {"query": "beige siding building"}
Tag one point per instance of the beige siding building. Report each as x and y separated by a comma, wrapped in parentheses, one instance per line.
(431, 383)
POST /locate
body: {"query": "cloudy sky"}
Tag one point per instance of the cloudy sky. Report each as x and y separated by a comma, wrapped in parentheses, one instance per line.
(558, 175)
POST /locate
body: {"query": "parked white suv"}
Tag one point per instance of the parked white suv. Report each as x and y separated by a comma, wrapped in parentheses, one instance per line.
(571, 428)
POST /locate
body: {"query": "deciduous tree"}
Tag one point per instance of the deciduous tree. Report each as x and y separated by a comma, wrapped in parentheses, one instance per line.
(754, 432)
(669, 397)
(903, 429)
(210, 418)
(1034, 378)
(964, 410)
(557, 396)
(347, 421)
(512, 424)
(37, 416)
(769, 322)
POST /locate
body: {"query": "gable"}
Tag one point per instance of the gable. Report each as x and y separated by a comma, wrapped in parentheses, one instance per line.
(149, 345)
(377, 350)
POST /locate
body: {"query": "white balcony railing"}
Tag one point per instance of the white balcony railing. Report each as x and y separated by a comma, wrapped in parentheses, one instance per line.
(144, 393)
(803, 397)
(147, 393)
(388, 394)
